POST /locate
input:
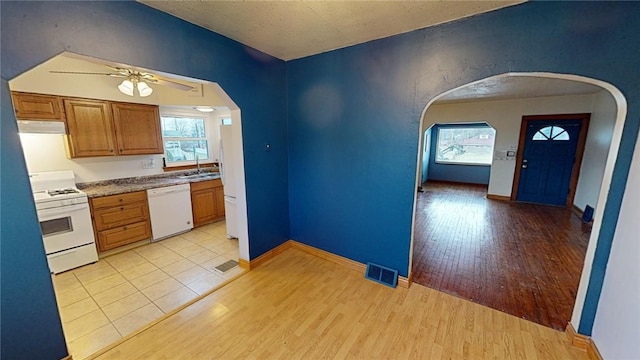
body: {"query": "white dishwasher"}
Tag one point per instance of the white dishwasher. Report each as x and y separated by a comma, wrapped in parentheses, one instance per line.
(170, 210)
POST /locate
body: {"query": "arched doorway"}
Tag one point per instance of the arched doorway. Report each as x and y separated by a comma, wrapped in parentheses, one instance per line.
(504, 147)
(134, 268)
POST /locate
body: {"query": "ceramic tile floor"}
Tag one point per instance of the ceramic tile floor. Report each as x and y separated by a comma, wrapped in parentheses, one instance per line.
(102, 302)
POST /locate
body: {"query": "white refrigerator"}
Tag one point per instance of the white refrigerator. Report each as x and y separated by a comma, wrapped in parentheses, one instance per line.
(227, 174)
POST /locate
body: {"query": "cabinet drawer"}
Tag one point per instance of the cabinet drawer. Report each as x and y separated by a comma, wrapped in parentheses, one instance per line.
(120, 215)
(120, 199)
(209, 184)
(123, 235)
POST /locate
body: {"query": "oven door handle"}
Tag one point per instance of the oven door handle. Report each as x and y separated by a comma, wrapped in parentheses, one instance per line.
(48, 214)
(62, 253)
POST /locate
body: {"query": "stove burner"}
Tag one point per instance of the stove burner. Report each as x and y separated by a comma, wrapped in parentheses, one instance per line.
(62, 191)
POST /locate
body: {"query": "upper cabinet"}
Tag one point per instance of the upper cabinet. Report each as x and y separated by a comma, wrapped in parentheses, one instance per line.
(96, 127)
(105, 128)
(90, 127)
(137, 129)
(37, 107)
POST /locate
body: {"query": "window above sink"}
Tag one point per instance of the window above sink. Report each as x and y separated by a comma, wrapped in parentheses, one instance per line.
(185, 139)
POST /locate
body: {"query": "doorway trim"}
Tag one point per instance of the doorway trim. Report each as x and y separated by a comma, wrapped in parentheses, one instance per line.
(575, 171)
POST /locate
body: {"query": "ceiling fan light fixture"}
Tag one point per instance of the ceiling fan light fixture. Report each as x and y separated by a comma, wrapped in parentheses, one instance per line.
(204, 109)
(126, 87)
(144, 89)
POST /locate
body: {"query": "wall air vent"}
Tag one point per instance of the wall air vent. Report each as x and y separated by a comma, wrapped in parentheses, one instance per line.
(382, 274)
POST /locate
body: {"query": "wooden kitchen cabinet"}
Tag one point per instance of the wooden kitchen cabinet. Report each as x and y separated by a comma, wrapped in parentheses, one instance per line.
(37, 106)
(207, 201)
(120, 215)
(90, 127)
(120, 219)
(104, 128)
(137, 128)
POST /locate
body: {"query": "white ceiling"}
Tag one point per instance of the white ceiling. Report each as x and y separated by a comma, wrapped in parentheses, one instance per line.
(295, 29)
(515, 87)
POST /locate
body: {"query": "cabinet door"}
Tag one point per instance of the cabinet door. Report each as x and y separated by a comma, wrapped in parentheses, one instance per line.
(90, 130)
(220, 201)
(37, 107)
(204, 206)
(113, 238)
(137, 128)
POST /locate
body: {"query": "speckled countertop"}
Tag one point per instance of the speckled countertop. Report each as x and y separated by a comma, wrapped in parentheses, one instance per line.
(131, 184)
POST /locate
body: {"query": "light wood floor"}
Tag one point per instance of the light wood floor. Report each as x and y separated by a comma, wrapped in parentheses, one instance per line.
(298, 306)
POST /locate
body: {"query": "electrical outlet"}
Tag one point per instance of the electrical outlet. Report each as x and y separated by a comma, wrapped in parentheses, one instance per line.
(149, 163)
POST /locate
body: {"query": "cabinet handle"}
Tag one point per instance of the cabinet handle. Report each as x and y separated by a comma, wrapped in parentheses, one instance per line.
(110, 150)
(121, 208)
(121, 150)
(125, 228)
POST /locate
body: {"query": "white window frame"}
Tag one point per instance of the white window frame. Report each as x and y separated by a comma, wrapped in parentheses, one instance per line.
(184, 113)
(448, 162)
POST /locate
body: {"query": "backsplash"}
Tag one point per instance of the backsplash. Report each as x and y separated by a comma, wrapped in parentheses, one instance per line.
(46, 152)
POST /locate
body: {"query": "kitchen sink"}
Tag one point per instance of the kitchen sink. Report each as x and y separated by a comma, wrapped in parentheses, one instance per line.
(201, 176)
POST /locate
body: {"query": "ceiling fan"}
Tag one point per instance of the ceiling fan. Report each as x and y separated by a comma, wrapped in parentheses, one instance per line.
(133, 80)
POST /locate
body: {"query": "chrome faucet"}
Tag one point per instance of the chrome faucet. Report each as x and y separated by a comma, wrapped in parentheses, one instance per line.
(197, 165)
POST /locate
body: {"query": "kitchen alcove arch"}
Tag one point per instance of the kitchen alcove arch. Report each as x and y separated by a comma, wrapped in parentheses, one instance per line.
(584, 308)
(82, 88)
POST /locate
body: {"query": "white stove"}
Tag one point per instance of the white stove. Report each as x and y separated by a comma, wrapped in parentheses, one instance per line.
(65, 220)
(60, 197)
(52, 186)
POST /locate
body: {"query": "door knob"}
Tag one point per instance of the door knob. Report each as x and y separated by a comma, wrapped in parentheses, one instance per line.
(524, 166)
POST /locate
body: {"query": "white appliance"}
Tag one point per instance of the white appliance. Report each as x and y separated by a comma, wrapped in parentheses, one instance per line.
(170, 210)
(65, 220)
(227, 174)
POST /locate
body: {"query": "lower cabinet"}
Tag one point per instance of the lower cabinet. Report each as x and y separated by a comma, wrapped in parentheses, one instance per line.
(120, 219)
(207, 201)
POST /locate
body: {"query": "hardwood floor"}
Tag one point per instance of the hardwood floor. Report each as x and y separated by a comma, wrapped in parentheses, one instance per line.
(299, 306)
(523, 259)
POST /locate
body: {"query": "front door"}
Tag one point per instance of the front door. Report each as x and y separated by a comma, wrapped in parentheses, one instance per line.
(547, 161)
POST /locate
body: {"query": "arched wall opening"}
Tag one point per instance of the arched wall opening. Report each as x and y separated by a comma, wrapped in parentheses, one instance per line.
(40, 79)
(619, 115)
(89, 169)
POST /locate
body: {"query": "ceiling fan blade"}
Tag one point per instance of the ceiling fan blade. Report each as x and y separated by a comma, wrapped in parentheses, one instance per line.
(173, 84)
(122, 71)
(86, 73)
(126, 73)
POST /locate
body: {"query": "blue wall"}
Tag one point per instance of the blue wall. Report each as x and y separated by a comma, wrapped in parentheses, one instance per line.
(135, 34)
(471, 174)
(341, 172)
(29, 320)
(354, 116)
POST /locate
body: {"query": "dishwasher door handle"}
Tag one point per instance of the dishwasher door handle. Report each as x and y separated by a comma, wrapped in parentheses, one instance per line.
(160, 193)
(168, 190)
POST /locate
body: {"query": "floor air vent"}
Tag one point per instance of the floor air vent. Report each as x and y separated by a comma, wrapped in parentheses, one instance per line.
(226, 266)
(382, 275)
